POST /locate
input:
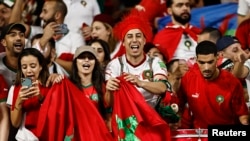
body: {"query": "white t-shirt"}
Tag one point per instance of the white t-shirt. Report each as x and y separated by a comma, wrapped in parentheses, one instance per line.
(80, 11)
(33, 31)
(69, 43)
(243, 7)
(113, 69)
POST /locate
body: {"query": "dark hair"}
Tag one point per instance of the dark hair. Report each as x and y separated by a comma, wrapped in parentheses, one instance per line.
(205, 48)
(44, 74)
(169, 3)
(214, 33)
(105, 47)
(51, 41)
(60, 6)
(170, 64)
(3, 3)
(97, 80)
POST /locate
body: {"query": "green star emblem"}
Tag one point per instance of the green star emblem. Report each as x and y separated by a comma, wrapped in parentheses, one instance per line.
(94, 97)
(129, 126)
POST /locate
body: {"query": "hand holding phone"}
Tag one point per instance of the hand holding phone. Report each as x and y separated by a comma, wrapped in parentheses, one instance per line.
(31, 90)
(62, 29)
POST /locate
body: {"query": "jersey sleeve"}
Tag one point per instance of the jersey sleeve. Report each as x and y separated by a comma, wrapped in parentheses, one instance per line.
(113, 69)
(159, 67)
(10, 96)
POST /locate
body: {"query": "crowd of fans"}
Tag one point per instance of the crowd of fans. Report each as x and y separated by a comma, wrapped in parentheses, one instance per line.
(92, 49)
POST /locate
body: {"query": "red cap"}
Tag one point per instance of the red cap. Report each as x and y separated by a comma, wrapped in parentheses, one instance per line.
(133, 20)
(105, 18)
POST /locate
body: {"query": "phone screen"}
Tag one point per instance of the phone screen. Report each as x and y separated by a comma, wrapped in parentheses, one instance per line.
(63, 29)
(27, 82)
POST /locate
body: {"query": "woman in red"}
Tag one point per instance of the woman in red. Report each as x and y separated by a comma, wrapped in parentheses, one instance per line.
(26, 97)
(88, 76)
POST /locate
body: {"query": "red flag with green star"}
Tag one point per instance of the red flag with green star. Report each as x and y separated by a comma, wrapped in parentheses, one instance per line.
(68, 115)
(133, 119)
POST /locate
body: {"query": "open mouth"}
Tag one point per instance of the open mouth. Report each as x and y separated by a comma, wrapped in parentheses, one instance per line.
(18, 45)
(135, 47)
(86, 66)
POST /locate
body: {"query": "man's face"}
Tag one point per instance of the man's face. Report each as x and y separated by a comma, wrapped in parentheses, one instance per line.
(5, 13)
(14, 41)
(155, 52)
(48, 13)
(207, 65)
(134, 42)
(180, 11)
(231, 51)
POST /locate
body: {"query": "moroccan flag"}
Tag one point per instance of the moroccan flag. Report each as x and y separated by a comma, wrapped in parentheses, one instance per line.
(222, 16)
(133, 119)
(67, 115)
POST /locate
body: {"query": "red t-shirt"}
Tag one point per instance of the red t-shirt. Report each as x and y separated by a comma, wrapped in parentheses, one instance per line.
(91, 93)
(31, 107)
(220, 101)
(242, 34)
(3, 89)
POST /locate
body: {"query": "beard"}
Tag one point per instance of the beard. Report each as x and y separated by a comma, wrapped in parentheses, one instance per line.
(46, 22)
(183, 18)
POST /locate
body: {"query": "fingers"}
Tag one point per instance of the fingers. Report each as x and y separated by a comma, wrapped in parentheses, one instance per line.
(86, 32)
(112, 84)
(131, 78)
(140, 8)
(26, 93)
(58, 78)
(54, 78)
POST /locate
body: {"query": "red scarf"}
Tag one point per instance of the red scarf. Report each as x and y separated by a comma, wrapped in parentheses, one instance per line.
(169, 38)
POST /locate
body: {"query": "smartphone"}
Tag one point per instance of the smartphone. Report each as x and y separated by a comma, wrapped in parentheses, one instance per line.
(27, 82)
(63, 29)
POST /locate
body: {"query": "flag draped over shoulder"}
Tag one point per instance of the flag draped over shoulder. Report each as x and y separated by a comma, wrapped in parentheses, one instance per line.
(222, 16)
(67, 115)
(133, 119)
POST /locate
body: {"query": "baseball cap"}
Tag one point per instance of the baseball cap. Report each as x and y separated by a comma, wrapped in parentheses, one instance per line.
(83, 49)
(9, 27)
(225, 42)
(8, 3)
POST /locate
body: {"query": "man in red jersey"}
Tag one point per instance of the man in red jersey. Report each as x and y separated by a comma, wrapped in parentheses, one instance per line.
(215, 96)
